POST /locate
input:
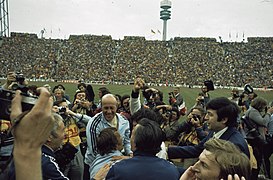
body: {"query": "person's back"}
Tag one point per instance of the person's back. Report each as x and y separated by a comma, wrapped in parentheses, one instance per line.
(146, 140)
(143, 166)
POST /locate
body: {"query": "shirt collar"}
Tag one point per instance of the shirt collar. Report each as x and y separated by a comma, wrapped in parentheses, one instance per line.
(220, 133)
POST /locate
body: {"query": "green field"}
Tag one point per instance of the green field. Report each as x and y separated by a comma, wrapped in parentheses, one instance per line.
(189, 94)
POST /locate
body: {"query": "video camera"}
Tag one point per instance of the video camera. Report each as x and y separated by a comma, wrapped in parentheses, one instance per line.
(247, 90)
(6, 97)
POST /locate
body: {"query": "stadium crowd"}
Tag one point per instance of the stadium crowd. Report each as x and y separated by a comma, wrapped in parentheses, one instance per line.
(185, 61)
(123, 137)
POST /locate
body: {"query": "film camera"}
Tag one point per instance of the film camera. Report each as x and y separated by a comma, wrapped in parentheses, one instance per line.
(62, 110)
(19, 83)
(6, 97)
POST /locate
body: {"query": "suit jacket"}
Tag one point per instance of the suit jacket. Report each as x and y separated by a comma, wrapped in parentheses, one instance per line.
(231, 134)
(143, 166)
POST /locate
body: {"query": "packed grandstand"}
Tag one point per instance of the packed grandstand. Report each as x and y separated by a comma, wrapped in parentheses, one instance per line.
(185, 61)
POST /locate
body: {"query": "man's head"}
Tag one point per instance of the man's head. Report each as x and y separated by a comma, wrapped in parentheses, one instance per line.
(219, 159)
(103, 91)
(109, 140)
(80, 95)
(221, 113)
(125, 102)
(146, 113)
(197, 113)
(58, 93)
(147, 137)
(176, 90)
(109, 106)
(56, 136)
(259, 103)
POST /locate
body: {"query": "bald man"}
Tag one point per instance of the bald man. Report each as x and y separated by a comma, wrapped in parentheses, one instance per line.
(107, 118)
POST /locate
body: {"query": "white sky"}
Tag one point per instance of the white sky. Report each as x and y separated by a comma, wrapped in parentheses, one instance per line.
(119, 18)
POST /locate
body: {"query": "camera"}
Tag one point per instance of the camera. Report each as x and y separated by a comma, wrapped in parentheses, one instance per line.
(6, 97)
(62, 110)
(196, 117)
(19, 84)
(247, 90)
(20, 78)
(171, 94)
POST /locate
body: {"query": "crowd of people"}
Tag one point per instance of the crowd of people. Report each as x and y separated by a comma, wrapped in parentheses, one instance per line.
(185, 61)
(121, 137)
(125, 138)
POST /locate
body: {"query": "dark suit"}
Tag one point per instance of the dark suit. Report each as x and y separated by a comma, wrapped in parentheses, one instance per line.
(143, 166)
(231, 134)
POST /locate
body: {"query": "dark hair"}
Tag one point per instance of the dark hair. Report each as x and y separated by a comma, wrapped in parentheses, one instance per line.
(75, 95)
(81, 84)
(225, 109)
(57, 103)
(57, 87)
(146, 113)
(177, 112)
(126, 96)
(104, 91)
(148, 136)
(107, 141)
(118, 97)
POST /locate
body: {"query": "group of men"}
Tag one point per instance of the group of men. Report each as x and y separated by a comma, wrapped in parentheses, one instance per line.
(223, 154)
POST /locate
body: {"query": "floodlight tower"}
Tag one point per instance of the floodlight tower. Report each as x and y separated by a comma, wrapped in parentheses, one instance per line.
(165, 14)
(4, 20)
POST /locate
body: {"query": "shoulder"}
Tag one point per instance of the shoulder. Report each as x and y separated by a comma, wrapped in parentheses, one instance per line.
(94, 121)
(122, 119)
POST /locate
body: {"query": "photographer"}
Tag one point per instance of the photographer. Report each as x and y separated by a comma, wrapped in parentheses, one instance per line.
(268, 150)
(81, 104)
(246, 97)
(13, 81)
(170, 124)
(176, 100)
(259, 115)
(33, 155)
(234, 95)
(200, 100)
(153, 97)
(194, 129)
(74, 169)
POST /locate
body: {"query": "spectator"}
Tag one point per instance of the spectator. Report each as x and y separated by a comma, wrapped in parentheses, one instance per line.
(194, 129)
(218, 160)
(74, 169)
(221, 118)
(125, 107)
(60, 86)
(260, 117)
(59, 95)
(268, 150)
(49, 134)
(109, 144)
(170, 122)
